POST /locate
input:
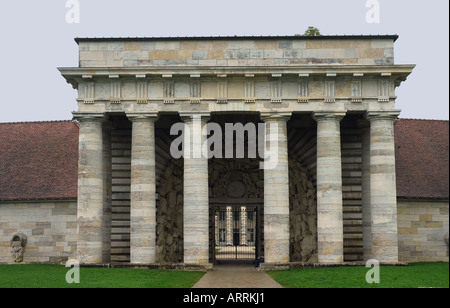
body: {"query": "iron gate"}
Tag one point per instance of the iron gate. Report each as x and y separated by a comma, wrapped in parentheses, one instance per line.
(236, 233)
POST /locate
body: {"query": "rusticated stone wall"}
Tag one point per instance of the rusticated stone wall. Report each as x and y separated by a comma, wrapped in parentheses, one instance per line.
(303, 213)
(236, 178)
(169, 215)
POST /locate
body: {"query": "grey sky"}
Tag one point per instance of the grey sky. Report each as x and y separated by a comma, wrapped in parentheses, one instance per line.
(36, 39)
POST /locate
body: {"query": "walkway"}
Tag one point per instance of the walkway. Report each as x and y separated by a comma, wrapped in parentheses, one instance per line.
(236, 276)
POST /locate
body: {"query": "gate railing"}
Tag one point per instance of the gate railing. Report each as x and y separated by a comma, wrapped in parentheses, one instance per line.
(235, 233)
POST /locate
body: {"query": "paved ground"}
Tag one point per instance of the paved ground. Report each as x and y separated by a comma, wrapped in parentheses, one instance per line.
(236, 276)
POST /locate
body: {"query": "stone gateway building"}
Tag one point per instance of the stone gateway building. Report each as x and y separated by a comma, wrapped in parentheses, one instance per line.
(168, 172)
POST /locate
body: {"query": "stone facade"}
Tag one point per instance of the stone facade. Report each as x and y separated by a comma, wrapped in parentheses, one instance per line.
(49, 226)
(134, 206)
(283, 82)
(242, 52)
(422, 228)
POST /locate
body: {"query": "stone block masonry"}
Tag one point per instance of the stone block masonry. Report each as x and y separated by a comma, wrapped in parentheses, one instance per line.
(50, 227)
(422, 226)
(244, 52)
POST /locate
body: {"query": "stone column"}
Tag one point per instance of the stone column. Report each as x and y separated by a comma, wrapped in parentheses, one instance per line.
(93, 227)
(143, 189)
(229, 230)
(276, 190)
(243, 226)
(196, 191)
(330, 227)
(383, 192)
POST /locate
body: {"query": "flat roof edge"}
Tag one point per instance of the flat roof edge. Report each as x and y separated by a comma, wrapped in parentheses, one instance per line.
(205, 38)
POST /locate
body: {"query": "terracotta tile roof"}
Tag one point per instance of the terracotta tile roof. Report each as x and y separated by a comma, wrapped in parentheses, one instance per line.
(38, 160)
(422, 158)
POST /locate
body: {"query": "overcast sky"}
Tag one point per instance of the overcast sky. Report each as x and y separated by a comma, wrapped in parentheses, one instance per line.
(36, 39)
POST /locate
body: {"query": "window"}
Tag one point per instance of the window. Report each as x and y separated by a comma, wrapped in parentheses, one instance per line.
(222, 235)
(250, 235)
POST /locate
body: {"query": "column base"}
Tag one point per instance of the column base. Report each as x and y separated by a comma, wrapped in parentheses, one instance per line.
(293, 265)
(167, 266)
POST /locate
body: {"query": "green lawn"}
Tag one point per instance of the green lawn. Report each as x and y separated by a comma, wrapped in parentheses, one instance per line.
(415, 275)
(54, 276)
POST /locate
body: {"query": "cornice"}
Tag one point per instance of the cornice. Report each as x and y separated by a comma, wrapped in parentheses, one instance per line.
(74, 75)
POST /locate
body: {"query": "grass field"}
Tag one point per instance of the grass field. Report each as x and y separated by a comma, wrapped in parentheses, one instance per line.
(54, 276)
(415, 275)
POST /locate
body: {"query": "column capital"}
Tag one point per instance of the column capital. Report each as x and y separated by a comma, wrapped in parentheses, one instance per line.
(326, 115)
(275, 116)
(382, 115)
(189, 116)
(139, 117)
(89, 117)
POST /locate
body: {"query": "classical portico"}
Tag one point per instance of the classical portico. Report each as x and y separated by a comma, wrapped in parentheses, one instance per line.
(328, 105)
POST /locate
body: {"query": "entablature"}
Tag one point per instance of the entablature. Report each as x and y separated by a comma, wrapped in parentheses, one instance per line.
(225, 89)
(397, 73)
